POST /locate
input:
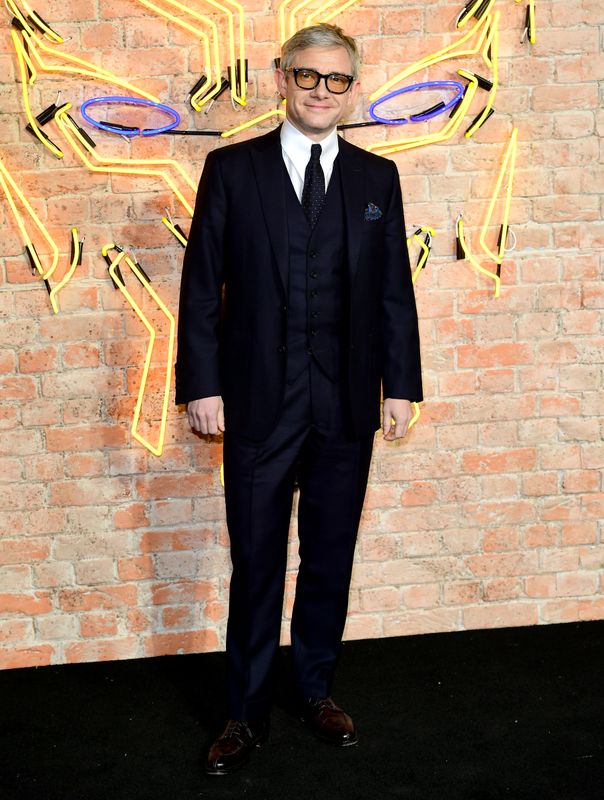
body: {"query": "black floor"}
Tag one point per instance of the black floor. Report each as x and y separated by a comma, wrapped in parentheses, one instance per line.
(515, 713)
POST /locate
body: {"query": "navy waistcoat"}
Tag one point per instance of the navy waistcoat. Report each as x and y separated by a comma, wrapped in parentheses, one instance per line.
(318, 282)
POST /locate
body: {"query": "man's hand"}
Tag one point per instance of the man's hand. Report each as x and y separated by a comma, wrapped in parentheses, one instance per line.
(396, 419)
(206, 415)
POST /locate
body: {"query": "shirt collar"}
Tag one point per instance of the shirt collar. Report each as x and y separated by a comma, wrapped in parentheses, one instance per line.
(297, 146)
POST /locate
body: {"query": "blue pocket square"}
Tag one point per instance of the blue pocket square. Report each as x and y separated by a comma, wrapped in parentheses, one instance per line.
(372, 212)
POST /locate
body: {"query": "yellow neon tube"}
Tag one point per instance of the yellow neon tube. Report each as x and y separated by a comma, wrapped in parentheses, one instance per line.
(237, 97)
(282, 31)
(292, 15)
(425, 250)
(532, 31)
(454, 50)
(507, 165)
(313, 14)
(52, 35)
(113, 271)
(77, 248)
(72, 135)
(465, 15)
(10, 189)
(328, 17)
(474, 261)
(384, 148)
(84, 67)
(62, 112)
(202, 96)
(175, 231)
(492, 42)
(317, 13)
(416, 414)
(28, 243)
(471, 11)
(32, 67)
(196, 102)
(17, 12)
(276, 112)
(421, 264)
(28, 112)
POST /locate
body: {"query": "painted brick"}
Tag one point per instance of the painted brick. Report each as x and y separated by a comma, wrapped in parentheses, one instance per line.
(57, 626)
(16, 630)
(102, 650)
(505, 615)
(32, 656)
(17, 551)
(199, 641)
(30, 604)
(83, 599)
(431, 621)
(489, 513)
(95, 625)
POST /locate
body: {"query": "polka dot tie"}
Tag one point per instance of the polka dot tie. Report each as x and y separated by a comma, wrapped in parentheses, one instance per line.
(313, 193)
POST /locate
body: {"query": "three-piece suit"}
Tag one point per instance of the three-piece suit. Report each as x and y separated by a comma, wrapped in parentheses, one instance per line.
(298, 329)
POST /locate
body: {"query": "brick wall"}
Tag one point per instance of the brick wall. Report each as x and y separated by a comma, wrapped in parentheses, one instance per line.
(487, 515)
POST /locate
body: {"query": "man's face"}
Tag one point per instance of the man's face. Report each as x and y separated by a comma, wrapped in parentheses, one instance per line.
(315, 112)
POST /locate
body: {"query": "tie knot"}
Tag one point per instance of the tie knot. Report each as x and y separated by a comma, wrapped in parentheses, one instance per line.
(315, 152)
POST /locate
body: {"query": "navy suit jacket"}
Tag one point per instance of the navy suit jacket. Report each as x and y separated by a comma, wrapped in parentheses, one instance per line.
(233, 300)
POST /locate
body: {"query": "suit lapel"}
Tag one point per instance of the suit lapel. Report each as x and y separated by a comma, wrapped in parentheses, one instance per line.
(352, 175)
(270, 176)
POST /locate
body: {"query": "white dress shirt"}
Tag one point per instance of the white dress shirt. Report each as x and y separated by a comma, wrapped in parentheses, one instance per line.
(295, 147)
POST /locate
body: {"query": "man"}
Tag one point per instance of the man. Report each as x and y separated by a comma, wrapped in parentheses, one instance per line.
(296, 307)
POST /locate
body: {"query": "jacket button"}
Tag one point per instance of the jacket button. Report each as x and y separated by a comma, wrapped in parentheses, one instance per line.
(281, 348)
(284, 309)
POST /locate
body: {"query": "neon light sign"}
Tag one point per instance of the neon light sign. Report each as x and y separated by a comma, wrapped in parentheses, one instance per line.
(131, 101)
(507, 167)
(416, 87)
(83, 149)
(384, 148)
(116, 277)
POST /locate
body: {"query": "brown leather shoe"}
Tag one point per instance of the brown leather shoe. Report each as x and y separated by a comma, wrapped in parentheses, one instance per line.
(231, 750)
(327, 721)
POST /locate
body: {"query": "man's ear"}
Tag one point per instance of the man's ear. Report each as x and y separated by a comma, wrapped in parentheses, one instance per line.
(353, 95)
(281, 81)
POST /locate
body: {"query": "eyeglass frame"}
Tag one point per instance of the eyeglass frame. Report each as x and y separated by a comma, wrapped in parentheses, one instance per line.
(320, 75)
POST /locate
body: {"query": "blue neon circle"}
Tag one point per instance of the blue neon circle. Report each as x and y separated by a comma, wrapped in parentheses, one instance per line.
(131, 101)
(459, 90)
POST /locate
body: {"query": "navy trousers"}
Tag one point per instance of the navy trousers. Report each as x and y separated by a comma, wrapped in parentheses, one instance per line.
(308, 444)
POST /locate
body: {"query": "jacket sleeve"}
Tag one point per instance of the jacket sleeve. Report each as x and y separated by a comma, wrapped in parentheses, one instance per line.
(401, 376)
(197, 364)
